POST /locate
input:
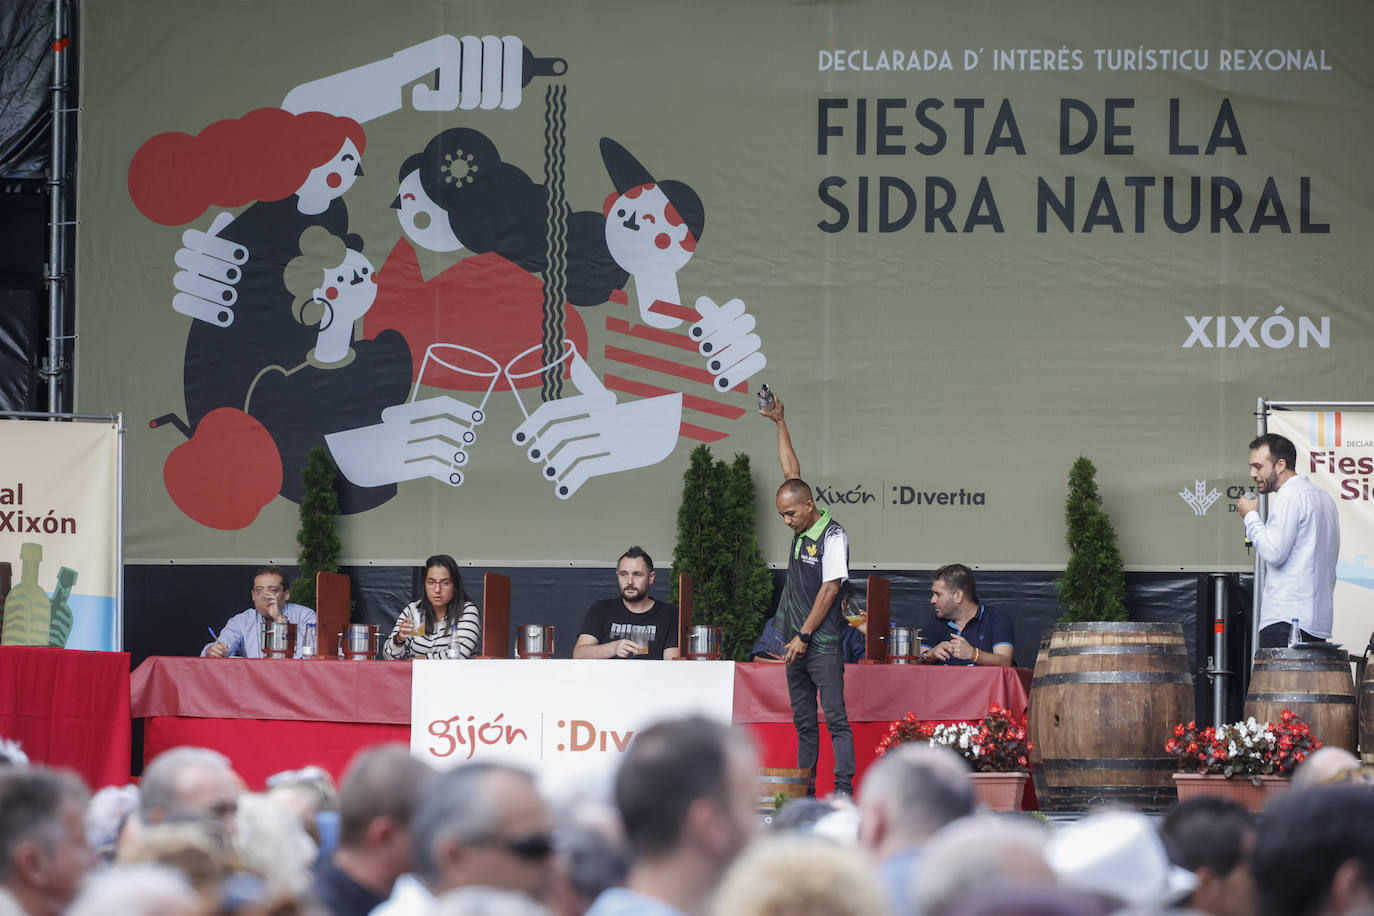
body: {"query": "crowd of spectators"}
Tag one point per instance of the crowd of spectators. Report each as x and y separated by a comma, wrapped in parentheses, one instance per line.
(680, 832)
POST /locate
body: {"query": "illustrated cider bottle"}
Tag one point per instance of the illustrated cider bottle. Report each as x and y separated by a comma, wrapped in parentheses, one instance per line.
(60, 626)
(6, 571)
(28, 612)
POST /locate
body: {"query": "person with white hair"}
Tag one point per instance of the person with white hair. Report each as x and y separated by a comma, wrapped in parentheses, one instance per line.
(137, 890)
(909, 794)
(12, 754)
(272, 842)
(106, 814)
(190, 783)
(985, 850)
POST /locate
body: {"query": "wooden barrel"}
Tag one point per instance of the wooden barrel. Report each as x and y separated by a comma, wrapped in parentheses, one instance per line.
(1034, 758)
(793, 783)
(1103, 703)
(1367, 712)
(1315, 682)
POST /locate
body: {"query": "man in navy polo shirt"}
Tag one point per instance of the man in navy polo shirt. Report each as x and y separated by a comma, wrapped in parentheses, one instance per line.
(961, 631)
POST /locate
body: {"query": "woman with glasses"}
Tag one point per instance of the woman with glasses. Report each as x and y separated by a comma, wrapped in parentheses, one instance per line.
(444, 623)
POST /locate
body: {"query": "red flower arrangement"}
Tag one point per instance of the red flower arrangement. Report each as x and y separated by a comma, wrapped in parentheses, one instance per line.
(1248, 748)
(997, 744)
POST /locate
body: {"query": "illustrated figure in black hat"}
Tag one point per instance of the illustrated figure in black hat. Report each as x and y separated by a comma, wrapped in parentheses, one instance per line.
(653, 228)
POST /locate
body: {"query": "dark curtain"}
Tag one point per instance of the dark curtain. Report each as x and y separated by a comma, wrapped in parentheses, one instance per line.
(25, 78)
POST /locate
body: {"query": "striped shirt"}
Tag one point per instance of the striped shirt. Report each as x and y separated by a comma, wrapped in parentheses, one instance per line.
(464, 638)
(647, 362)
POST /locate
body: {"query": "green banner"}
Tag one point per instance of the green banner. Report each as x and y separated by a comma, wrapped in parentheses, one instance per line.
(511, 262)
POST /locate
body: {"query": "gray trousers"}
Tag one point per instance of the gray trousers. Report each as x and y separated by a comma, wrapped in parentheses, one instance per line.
(824, 674)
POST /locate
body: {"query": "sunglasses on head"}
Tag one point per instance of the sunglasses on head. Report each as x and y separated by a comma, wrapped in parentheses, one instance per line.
(534, 847)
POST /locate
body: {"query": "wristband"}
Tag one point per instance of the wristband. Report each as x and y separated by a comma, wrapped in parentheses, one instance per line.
(976, 653)
(805, 637)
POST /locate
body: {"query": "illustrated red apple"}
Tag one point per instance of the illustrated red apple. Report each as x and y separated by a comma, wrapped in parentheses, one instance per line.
(226, 472)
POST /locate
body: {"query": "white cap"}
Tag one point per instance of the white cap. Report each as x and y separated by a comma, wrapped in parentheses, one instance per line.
(1119, 854)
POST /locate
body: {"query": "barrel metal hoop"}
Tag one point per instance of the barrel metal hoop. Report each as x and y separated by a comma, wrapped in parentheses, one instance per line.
(1111, 763)
(1327, 698)
(1314, 665)
(1114, 677)
(1112, 626)
(1154, 649)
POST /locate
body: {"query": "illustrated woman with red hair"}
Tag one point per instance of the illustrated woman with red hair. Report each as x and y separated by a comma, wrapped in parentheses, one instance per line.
(291, 170)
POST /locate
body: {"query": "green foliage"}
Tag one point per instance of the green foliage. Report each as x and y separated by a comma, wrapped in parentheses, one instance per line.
(318, 537)
(1093, 586)
(718, 546)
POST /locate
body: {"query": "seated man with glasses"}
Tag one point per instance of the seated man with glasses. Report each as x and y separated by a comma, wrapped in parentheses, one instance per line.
(242, 635)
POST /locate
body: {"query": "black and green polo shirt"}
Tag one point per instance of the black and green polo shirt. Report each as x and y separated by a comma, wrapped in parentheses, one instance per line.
(819, 554)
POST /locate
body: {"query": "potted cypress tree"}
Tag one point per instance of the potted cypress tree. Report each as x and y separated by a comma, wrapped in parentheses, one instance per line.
(318, 536)
(717, 545)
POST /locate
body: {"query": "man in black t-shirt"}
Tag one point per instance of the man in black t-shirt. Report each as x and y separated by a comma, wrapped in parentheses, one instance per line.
(632, 625)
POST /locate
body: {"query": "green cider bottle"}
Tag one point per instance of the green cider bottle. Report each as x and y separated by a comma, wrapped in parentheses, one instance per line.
(61, 626)
(28, 611)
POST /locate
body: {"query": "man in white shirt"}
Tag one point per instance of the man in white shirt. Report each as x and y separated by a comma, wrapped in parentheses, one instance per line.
(1299, 544)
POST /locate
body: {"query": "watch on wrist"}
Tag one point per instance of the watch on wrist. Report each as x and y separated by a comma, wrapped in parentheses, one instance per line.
(805, 637)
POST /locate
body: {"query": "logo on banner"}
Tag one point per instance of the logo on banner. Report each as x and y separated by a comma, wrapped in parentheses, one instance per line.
(1325, 429)
(1199, 498)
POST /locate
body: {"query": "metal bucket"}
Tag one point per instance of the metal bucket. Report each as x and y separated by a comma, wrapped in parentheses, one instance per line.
(704, 642)
(903, 645)
(359, 642)
(278, 638)
(534, 640)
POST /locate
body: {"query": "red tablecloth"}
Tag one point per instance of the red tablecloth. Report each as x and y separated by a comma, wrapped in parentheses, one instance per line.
(874, 696)
(68, 708)
(271, 715)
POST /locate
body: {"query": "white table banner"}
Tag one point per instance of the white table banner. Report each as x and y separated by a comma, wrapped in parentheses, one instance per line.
(556, 717)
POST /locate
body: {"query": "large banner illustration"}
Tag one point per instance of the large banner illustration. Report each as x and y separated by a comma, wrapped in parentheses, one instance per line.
(59, 534)
(508, 266)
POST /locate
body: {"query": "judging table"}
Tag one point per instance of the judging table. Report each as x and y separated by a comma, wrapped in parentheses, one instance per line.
(68, 708)
(269, 715)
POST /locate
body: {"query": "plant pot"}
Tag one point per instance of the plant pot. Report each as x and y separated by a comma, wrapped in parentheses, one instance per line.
(1240, 789)
(999, 791)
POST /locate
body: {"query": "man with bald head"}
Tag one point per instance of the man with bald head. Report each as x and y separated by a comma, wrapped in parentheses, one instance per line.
(809, 615)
